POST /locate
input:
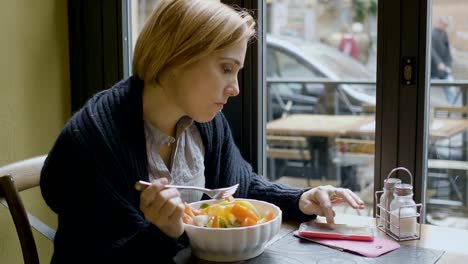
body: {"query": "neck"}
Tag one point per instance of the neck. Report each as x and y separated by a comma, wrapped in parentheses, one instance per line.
(159, 109)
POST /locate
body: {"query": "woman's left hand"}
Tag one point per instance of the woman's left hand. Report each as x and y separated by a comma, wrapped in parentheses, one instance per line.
(320, 201)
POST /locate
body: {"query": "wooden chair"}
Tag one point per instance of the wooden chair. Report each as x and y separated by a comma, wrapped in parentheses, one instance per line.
(359, 152)
(355, 145)
(14, 178)
(368, 109)
(446, 161)
(453, 146)
(289, 148)
(448, 171)
(357, 156)
(450, 111)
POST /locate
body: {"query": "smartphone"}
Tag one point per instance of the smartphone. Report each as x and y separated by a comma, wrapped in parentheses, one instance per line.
(314, 229)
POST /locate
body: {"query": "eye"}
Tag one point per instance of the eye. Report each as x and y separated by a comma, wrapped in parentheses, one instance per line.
(227, 69)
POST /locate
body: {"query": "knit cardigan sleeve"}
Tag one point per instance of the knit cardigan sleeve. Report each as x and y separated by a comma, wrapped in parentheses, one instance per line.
(226, 166)
(99, 217)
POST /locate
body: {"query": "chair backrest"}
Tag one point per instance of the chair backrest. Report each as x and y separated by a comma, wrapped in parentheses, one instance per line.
(450, 111)
(15, 178)
(287, 147)
(355, 145)
(368, 109)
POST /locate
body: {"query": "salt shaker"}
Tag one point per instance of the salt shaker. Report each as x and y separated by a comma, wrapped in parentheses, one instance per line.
(385, 200)
(403, 211)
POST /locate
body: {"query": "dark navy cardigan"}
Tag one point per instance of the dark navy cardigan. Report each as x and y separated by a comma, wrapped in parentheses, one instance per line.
(89, 175)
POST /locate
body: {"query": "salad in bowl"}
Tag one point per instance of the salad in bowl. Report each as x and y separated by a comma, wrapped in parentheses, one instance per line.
(230, 229)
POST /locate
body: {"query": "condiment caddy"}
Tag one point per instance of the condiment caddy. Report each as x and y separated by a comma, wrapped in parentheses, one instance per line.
(396, 212)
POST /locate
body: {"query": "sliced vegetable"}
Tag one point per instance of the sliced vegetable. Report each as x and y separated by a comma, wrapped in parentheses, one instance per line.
(269, 215)
(248, 222)
(204, 205)
(241, 213)
(187, 219)
(215, 222)
(223, 223)
(200, 220)
(188, 210)
(225, 214)
(247, 205)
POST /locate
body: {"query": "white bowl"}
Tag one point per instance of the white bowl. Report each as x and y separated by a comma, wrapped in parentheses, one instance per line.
(235, 243)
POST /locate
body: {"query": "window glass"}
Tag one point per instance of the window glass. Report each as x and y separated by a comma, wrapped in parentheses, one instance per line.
(289, 66)
(321, 130)
(447, 170)
(140, 10)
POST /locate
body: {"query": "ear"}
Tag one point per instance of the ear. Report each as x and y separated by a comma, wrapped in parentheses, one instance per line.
(167, 75)
(175, 71)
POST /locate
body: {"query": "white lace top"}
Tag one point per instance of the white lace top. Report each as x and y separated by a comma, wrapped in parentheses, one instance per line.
(187, 157)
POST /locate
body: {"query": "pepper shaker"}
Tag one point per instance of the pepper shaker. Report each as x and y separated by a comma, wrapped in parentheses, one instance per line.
(403, 212)
(385, 200)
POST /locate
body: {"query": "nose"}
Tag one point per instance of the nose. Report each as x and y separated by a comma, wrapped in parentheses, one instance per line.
(233, 89)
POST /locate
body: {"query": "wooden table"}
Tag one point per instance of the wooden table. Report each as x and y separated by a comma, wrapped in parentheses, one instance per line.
(452, 241)
(317, 125)
(330, 126)
(316, 128)
(351, 125)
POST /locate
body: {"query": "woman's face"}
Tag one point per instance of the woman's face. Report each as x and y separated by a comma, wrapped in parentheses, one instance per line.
(201, 89)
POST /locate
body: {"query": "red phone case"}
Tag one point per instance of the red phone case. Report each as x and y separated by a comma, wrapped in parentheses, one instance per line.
(314, 229)
(375, 248)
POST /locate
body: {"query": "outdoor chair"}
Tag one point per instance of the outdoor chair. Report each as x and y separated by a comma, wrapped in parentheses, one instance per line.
(447, 165)
(289, 148)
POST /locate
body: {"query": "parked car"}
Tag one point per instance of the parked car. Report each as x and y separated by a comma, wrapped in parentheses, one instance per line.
(289, 57)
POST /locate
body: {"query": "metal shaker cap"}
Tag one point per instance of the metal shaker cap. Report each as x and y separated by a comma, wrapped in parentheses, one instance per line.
(403, 189)
(390, 183)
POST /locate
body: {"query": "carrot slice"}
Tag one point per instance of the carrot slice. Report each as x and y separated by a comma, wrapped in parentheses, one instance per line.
(215, 223)
(188, 209)
(187, 219)
(248, 222)
(268, 216)
(241, 213)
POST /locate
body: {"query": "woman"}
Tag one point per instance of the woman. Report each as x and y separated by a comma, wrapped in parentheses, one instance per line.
(162, 125)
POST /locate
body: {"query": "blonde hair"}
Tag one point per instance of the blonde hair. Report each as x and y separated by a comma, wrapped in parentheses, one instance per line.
(180, 32)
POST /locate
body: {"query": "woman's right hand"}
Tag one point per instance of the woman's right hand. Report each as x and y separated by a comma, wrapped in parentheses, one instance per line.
(163, 208)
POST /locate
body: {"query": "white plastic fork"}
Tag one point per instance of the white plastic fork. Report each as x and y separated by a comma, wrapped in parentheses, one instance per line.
(217, 194)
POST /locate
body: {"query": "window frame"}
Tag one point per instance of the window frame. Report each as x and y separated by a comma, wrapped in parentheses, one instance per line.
(401, 119)
(96, 46)
(246, 112)
(99, 45)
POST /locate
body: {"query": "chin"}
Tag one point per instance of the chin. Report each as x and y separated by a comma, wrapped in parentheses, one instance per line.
(204, 118)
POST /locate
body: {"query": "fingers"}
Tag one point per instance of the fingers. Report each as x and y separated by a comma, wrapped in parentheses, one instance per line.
(345, 194)
(163, 207)
(172, 207)
(358, 200)
(320, 201)
(349, 197)
(159, 200)
(157, 203)
(326, 205)
(150, 194)
(177, 213)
